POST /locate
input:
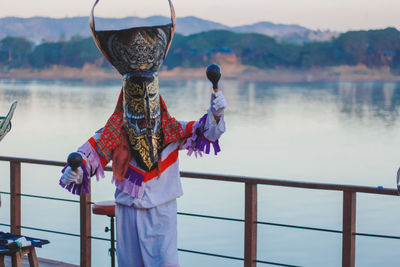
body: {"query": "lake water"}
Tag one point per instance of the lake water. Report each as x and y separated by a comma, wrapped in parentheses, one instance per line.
(345, 133)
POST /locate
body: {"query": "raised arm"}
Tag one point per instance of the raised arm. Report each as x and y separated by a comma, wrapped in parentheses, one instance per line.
(209, 128)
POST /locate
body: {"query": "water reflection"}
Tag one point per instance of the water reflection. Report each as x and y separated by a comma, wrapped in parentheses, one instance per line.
(380, 100)
(357, 100)
(322, 132)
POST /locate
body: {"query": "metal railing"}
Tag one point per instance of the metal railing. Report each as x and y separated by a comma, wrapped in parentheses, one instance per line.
(250, 221)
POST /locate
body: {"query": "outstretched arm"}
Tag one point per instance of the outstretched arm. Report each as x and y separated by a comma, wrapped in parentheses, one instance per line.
(76, 180)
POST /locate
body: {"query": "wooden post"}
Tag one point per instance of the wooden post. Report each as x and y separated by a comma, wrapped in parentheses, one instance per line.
(349, 229)
(86, 230)
(2, 261)
(250, 225)
(15, 189)
(33, 261)
(16, 260)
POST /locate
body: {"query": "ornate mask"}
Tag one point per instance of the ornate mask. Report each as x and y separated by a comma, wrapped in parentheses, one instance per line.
(137, 54)
(135, 49)
(142, 117)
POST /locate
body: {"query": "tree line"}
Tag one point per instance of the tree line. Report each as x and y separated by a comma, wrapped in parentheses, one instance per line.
(373, 48)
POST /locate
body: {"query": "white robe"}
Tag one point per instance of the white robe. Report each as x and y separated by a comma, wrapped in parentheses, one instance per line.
(147, 226)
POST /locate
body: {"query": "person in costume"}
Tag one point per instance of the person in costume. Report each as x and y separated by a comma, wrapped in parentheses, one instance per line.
(142, 140)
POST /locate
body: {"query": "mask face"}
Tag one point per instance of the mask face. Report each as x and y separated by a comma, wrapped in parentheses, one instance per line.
(142, 117)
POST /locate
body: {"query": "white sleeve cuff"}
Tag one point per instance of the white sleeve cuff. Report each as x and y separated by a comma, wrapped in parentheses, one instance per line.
(214, 130)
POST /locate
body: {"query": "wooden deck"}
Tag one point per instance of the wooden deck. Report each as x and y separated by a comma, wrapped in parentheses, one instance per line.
(42, 263)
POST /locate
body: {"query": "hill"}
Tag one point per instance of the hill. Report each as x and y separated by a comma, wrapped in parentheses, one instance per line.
(238, 53)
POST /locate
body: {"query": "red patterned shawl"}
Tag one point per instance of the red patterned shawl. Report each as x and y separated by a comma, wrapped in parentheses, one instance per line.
(113, 142)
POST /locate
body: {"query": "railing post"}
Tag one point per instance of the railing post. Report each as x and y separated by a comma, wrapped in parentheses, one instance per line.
(15, 190)
(86, 230)
(250, 225)
(349, 229)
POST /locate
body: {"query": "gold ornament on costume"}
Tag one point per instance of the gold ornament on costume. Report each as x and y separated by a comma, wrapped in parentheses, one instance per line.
(142, 148)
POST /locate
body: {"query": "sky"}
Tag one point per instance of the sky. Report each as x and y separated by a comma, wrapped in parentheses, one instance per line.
(336, 15)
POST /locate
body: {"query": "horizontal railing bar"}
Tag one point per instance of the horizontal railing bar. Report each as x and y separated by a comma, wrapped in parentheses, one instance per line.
(49, 198)
(101, 238)
(210, 217)
(378, 236)
(301, 227)
(48, 231)
(34, 161)
(263, 223)
(241, 179)
(210, 254)
(288, 183)
(276, 264)
(44, 197)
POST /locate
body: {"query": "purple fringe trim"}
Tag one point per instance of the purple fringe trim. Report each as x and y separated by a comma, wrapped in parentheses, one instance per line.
(93, 158)
(74, 188)
(133, 184)
(197, 143)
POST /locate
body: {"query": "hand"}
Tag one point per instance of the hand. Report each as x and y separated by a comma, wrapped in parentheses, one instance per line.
(72, 176)
(218, 103)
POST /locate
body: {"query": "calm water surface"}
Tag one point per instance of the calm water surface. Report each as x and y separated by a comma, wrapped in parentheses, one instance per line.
(345, 133)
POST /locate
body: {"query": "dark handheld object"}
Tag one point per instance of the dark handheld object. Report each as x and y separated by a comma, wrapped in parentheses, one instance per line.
(214, 74)
(13, 245)
(74, 160)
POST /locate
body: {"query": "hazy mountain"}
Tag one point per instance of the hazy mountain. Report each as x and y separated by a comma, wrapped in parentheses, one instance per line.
(286, 33)
(38, 29)
(191, 25)
(271, 29)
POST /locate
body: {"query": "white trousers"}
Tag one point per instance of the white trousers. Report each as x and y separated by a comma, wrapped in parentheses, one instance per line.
(147, 237)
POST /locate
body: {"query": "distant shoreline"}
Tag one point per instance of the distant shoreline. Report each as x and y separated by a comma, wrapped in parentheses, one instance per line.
(232, 72)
